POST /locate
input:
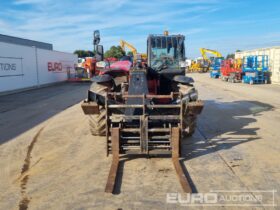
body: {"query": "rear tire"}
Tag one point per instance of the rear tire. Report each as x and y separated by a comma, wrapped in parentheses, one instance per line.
(97, 123)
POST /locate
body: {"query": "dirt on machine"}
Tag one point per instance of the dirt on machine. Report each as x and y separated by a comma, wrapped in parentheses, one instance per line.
(147, 110)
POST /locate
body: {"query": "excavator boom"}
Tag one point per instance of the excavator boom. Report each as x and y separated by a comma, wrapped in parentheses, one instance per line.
(125, 44)
(214, 52)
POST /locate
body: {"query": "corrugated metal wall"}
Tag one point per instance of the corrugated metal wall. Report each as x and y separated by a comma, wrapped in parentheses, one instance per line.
(25, 67)
(274, 60)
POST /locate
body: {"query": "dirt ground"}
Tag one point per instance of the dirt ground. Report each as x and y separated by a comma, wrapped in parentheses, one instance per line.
(49, 160)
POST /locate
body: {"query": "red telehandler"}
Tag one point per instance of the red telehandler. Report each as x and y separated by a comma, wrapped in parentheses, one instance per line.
(148, 110)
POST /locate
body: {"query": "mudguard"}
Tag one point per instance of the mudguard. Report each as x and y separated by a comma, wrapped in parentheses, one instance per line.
(183, 79)
(102, 78)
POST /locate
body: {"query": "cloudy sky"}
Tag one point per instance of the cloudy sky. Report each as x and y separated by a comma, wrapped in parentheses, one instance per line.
(223, 25)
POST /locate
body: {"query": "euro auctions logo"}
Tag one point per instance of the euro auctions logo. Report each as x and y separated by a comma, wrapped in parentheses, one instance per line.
(192, 199)
(11, 67)
(224, 198)
(8, 67)
(54, 66)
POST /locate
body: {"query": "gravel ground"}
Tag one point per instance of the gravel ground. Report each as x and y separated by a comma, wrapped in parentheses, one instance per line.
(49, 160)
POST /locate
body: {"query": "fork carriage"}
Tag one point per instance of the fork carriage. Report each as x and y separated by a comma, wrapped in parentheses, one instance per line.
(148, 129)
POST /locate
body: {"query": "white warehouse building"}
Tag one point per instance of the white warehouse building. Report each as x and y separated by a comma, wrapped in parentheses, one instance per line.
(28, 64)
(273, 54)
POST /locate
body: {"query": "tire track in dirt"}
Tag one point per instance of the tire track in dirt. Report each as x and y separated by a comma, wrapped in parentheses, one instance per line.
(25, 200)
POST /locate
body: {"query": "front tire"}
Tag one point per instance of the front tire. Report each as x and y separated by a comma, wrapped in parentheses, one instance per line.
(97, 123)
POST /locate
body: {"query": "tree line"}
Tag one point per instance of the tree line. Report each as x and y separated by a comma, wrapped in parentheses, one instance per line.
(113, 52)
(118, 52)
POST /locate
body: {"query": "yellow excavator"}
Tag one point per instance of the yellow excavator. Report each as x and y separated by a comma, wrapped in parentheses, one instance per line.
(136, 56)
(214, 62)
(203, 65)
(203, 52)
(208, 62)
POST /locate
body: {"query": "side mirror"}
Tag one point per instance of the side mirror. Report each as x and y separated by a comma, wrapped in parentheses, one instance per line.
(99, 52)
(96, 37)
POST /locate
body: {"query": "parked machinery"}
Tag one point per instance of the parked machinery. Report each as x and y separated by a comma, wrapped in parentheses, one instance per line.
(146, 111)
(137, 57)
(231, 70)
(195, 66)
(215, 67)
(84, 70)
(255, 69)
(215, 62)
(200, 65)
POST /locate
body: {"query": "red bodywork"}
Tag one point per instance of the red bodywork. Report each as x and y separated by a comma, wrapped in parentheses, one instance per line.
(123, 68)
(230, 68)
(111, 59)
(90, 63)
(152, 86)
(119, 66)
(226, 67)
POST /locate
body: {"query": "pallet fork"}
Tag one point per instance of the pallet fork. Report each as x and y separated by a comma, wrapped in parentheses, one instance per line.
(175, 139)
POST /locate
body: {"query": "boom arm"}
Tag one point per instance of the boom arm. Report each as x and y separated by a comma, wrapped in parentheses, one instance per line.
(124, 44)
(214, 52)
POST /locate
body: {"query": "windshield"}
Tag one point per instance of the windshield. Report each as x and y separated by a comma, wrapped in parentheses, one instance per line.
(166, 52)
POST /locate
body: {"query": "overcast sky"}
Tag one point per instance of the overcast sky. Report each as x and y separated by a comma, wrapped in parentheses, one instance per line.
(222, 25)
